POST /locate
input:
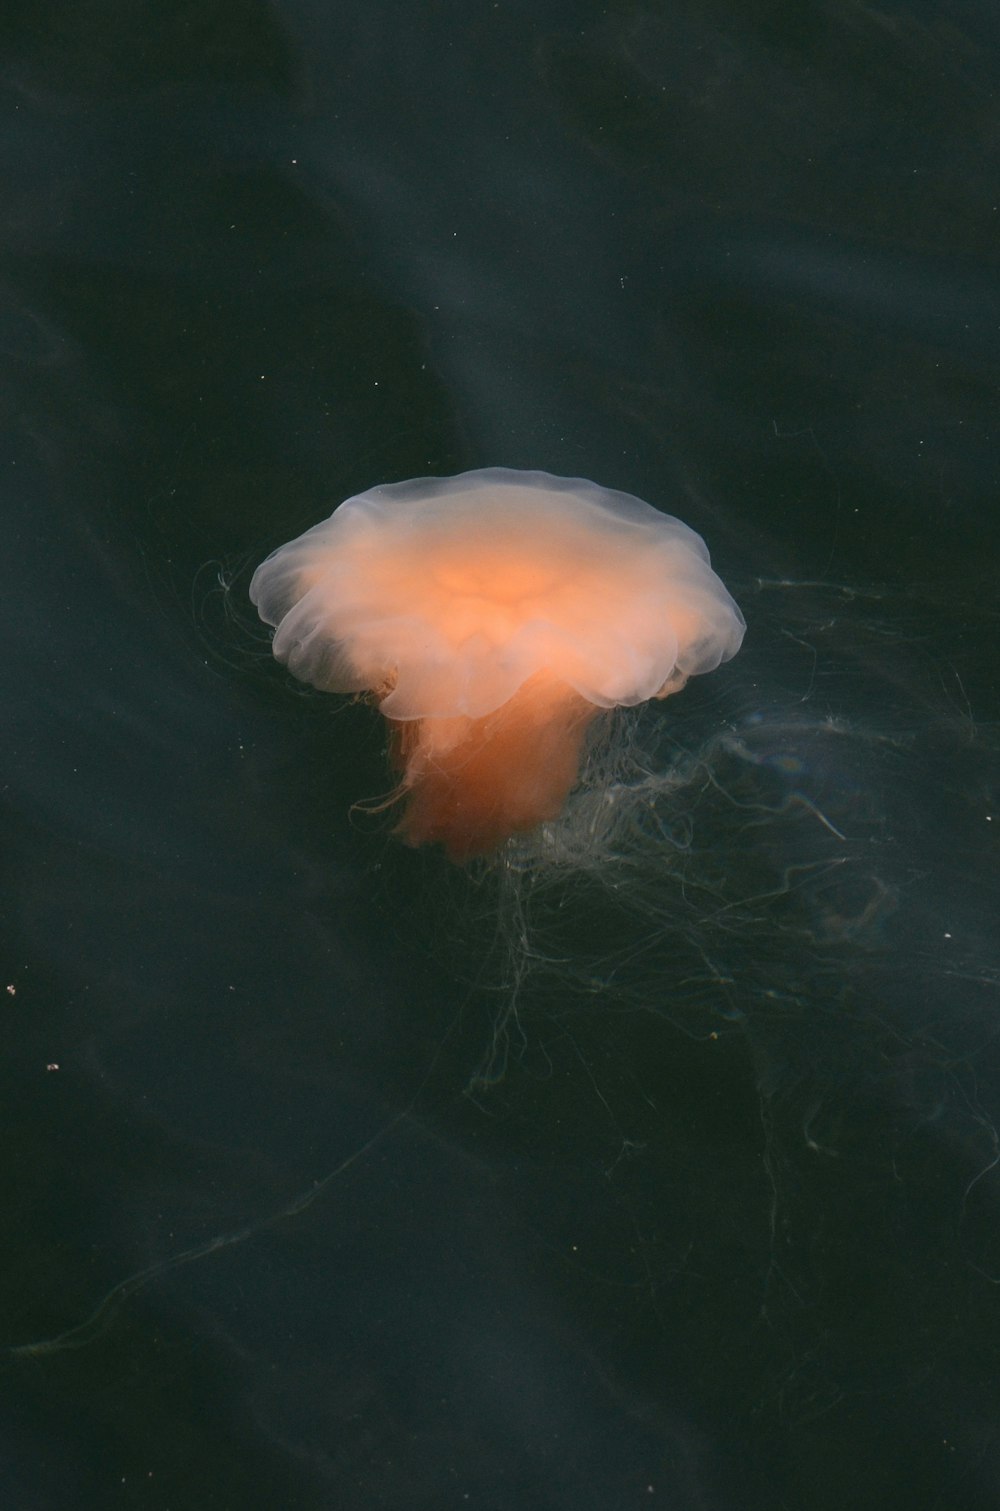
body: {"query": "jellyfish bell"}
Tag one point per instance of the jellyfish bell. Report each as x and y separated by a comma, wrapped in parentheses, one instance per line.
(492, 617)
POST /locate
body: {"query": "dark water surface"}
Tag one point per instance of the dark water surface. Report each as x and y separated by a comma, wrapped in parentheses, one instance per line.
(337, 1177)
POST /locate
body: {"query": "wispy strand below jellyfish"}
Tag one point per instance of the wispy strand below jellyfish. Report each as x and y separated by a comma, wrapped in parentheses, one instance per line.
(492, 617)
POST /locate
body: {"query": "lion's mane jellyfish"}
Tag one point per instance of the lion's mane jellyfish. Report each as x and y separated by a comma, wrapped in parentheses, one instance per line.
(492, 617)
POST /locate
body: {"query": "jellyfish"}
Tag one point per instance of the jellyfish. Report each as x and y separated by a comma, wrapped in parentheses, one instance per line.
(492, 617)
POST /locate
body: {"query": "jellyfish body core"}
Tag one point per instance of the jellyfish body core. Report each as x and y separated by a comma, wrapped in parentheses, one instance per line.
(492, 617)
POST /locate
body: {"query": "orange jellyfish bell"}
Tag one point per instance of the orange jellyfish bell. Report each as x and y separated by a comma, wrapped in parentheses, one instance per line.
(492, 616)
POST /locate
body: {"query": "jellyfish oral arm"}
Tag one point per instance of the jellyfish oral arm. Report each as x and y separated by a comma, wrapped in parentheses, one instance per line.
(472, 783)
